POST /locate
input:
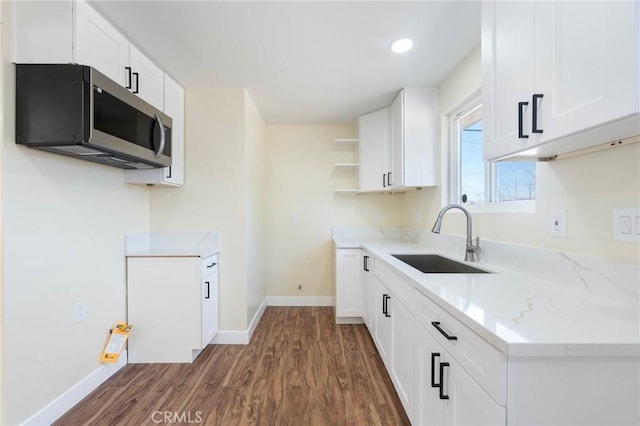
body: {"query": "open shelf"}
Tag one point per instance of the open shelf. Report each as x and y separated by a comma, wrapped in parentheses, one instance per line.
(347, 191)
(347, 166)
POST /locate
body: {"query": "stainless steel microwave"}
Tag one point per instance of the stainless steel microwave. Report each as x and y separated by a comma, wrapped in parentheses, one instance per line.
(77, 111)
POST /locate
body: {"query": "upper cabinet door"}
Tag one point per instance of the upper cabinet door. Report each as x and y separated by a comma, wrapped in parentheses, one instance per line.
(147, 79)
(373, 129)
(586, 64)
(98, 44)
(508, 73)
(559, 76)
(396, 127)
(174, 108)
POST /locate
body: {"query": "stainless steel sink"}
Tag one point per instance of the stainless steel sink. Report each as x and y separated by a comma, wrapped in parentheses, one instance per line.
(434, 264)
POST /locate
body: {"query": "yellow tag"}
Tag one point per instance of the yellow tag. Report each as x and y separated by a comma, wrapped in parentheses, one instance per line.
(116, 342)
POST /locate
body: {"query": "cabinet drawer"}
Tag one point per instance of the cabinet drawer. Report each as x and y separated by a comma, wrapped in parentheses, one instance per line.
(404, 291)
(484, 363)
(209, 265)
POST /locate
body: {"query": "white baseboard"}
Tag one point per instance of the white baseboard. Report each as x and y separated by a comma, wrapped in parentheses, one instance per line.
(242, 337)
(299, 301)
(59, 406)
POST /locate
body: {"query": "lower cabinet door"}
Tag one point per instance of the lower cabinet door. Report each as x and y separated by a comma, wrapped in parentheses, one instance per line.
(468, 403)
(402, 353)
(383, 313)
(209, 297)
(428, 407)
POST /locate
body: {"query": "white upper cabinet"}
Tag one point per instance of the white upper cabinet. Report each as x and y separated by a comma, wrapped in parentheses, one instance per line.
(373, 129)
(98, 44)
(398, 146)
(559, 76)
(147, 80)
(414, 145)
(74, 32)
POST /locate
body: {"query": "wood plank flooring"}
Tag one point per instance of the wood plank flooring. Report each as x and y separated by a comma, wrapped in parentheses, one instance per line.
(299, 369)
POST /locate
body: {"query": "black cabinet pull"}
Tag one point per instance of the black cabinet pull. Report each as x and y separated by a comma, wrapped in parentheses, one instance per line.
(208, 296)
(534, 121)
(434, 355)
(137, 76)
(128, 86)
(389, 179)
(442, 366)
(436, 324)
(169, 175)
(384, 180)
(366, 263)
(521, 106)
(386, 298)
(212, 265)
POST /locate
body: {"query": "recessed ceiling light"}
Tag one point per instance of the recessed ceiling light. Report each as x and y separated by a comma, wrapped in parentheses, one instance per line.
(402, 45)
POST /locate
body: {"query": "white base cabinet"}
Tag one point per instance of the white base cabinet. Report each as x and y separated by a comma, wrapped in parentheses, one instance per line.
(349, 267)
(172, 303)
(446, 374)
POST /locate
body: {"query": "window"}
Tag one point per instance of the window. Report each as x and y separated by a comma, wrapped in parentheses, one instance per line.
(474, 182)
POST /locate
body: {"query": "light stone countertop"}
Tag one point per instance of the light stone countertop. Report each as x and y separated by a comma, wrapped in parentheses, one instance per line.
(172, 244)
(558, 305)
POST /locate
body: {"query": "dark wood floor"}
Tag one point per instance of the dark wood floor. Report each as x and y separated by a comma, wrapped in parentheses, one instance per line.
(299, 369)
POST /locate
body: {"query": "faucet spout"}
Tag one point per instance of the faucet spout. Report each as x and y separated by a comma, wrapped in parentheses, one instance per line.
(471, 249)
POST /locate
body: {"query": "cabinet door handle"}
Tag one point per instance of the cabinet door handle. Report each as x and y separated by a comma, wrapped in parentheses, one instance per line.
(389, 179)
(208, 296)
(436, 324)
(169, 175)
(442, 366)
(384, 180)
(212, 265)
(137, 76)
(366, 263)
(521, 106)
(128, 86)
(434, 355)
(534, 121)
(386, 305)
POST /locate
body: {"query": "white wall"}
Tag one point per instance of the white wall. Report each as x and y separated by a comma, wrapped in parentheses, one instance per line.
(221, 193)
(64, 222)
(588, 187)
(301, 180)
(255, 199)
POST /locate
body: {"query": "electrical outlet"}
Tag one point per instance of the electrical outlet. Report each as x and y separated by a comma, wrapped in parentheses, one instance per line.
(558, 223)
(80, 311)
(293, 219)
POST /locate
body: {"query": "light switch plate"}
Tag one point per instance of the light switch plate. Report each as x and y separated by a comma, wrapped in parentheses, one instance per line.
(626, 225)
(558, 223)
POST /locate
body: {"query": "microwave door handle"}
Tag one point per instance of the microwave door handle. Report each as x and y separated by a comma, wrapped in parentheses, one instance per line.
(162, 137)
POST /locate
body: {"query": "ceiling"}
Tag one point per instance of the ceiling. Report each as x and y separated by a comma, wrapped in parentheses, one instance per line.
(303, 62)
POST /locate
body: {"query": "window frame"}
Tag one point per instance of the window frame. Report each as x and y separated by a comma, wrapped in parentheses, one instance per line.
(468, 106)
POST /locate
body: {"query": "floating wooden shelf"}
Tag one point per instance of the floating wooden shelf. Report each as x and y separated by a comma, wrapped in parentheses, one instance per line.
(347, 166)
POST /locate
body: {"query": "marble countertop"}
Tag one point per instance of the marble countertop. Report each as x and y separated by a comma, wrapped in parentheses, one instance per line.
(556, 306)
(172, 244)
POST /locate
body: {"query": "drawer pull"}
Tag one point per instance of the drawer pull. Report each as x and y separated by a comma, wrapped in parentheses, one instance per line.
(436, 324)
(434, 355)
(208, 296)
(212, 265)
(442, 366)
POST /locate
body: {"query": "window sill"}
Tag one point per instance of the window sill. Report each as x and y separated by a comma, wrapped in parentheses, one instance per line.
(506, 207)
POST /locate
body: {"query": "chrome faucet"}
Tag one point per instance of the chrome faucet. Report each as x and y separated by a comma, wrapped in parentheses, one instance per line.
(471, 249)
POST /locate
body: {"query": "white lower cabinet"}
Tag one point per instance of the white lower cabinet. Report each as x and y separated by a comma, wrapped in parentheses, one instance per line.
(349, 268)
(402, 352)
(445, 393)
(367, 274)
(382, 328)
(172, 303)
